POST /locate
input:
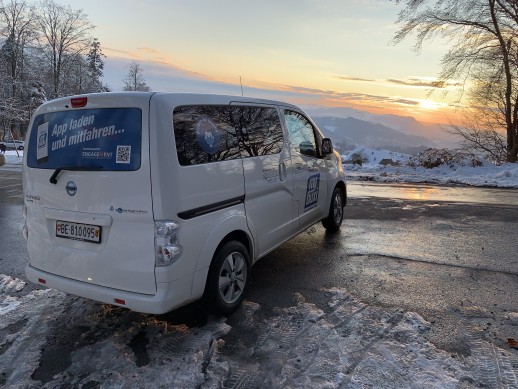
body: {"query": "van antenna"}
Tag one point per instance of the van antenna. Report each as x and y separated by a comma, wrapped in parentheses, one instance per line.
(241, 83)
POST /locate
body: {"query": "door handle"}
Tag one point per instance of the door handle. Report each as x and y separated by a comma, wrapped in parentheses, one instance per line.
(282, 172)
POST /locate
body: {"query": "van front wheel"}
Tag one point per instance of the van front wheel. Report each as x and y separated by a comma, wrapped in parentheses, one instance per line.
(228, 278)
(333, 221)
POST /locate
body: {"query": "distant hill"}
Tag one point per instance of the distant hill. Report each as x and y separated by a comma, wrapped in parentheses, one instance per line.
(349, 132)
(383, 126)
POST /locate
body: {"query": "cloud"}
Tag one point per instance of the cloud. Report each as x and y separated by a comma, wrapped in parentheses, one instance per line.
(149, 50)
(416, 82)
(350, 96)
(160, 62)
(413, 82)
(346, 78)
(167, 77)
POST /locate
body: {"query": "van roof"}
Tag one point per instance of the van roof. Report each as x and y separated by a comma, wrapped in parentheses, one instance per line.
(204, 98)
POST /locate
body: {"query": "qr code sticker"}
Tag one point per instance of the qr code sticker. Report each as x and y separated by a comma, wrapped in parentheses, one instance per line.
(123, 154)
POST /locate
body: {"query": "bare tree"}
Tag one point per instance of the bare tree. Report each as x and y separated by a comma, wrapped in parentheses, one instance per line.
(134, 80)
(16, 22)
(65, 34)
(478, 136)
(483, 53)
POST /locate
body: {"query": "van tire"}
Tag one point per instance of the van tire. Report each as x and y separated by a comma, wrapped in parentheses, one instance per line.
(334, 219)
(228, 278)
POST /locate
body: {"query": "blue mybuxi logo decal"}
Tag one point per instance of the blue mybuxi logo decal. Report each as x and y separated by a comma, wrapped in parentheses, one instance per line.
(71, 188)
(312, 192)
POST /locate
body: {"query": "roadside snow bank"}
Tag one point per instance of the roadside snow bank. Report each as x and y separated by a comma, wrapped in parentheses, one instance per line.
(505, 176)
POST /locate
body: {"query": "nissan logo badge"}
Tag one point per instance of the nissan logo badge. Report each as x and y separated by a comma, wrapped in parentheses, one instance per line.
(71, 188)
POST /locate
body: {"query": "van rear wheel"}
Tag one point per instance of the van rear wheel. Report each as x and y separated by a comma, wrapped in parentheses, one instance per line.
(334, 219)
(228, 278)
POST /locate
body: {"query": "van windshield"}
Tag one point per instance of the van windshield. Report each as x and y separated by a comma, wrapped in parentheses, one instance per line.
(107, 139)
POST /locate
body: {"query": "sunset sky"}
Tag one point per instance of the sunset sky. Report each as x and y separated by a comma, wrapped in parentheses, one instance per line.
(308, 52)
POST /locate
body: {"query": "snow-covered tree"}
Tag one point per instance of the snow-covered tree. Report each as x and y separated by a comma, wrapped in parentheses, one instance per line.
(134, 80)
(45, 50)
(95, 66)
(64, 35)
(17, 31)
(17, 27)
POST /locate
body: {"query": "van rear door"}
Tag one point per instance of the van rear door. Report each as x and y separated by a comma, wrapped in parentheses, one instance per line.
(88, 191)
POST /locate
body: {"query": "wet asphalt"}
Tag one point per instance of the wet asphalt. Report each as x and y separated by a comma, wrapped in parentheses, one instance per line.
(453, 261)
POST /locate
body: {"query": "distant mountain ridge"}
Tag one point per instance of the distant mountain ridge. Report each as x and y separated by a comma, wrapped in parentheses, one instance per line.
(350, 132)
(386, 127)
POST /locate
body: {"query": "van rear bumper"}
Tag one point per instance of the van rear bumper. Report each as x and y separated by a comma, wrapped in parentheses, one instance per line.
(169, 295)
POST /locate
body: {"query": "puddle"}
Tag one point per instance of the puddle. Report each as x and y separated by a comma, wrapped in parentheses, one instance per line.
(425, 192)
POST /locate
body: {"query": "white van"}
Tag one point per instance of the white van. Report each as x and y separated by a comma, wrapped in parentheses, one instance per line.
(153, 200)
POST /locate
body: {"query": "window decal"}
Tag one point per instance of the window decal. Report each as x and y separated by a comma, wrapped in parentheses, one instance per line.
(107, 139)
(207, 135)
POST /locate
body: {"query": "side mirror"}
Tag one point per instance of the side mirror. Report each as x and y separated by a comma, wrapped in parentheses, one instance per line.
(327, 146)
(307, 148)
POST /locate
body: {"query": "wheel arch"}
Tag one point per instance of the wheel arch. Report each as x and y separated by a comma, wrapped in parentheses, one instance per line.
(343, 188)
(239, 236)
(233, 228)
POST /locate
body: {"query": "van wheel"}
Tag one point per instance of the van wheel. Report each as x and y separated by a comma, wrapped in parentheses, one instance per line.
(333, 221)
(228, 277)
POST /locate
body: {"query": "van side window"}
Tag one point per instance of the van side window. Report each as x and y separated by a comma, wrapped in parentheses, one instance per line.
(212, 133)
(258, 129)
(204, 133)
(301, 133)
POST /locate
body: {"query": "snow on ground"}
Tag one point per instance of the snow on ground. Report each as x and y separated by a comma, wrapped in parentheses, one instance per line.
(489, 175)
(12, 157)
(505, 176)
(350, 345)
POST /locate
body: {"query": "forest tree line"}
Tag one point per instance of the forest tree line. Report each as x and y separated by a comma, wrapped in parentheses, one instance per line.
(47, 50)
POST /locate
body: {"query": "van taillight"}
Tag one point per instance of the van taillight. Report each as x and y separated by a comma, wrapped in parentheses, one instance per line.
(120, 301)
(78, 102)
(42, 281)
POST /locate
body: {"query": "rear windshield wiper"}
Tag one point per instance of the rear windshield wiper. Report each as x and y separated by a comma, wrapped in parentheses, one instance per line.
(54, 176)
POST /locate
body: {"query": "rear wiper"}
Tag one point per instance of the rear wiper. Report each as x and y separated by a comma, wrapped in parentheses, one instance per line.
(54, 176)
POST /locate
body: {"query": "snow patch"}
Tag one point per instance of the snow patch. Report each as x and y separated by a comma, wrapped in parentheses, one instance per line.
(26, 321)
(9, 284)
(347, 344)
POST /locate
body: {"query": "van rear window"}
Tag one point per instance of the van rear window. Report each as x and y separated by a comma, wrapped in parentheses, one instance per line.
(107, 139)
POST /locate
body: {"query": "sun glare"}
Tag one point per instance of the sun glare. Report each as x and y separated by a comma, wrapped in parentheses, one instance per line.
(428, 104)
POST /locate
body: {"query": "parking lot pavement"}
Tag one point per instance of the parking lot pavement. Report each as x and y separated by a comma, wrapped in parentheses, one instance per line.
(406, 295)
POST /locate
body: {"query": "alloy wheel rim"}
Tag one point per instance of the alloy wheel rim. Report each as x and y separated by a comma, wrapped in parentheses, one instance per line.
(232, 277)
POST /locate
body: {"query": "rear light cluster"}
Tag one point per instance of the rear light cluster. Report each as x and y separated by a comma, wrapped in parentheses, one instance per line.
(167, 248)
(78, 102)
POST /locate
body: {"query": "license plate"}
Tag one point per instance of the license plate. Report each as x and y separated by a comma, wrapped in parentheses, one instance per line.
(78, 231)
